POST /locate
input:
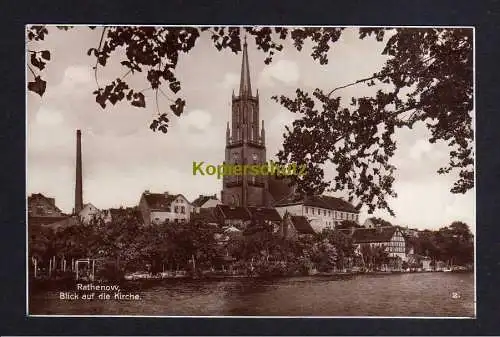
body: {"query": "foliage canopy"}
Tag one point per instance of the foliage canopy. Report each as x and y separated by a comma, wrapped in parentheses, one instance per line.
(427, 78)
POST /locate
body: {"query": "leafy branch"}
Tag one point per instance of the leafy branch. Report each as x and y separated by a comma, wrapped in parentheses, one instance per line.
(430, 71)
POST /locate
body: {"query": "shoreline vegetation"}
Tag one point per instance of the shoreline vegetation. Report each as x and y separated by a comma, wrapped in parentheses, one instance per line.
(125, 250)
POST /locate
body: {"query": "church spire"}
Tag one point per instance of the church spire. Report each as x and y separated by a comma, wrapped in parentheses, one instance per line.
(245, 87)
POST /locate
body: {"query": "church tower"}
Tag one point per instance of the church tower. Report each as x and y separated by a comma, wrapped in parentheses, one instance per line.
(245, 145)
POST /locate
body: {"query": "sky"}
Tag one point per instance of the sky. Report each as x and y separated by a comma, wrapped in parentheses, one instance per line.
(123, 157)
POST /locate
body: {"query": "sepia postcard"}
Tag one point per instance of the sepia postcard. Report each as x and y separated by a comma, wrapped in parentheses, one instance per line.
(250, 171)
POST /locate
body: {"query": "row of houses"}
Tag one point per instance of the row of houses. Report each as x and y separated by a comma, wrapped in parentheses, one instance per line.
(289, 218)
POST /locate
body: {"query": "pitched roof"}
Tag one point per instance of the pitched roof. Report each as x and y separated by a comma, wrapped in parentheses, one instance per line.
(301, 224)
(320, 201)
(233, 212)
(40, 196)
(159, 201)
(264, 213)
(205, 214)
(125, 212)
(367, 235)
(88, 204)
(202, 199)
(231, 229)
(338, 204)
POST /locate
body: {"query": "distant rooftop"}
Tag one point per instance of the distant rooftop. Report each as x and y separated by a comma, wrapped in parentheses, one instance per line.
(320, 201)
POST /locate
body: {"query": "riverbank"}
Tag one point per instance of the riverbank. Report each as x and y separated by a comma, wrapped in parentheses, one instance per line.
(64, 284)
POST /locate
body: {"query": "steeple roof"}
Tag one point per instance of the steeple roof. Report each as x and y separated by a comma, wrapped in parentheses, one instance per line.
(245, 86)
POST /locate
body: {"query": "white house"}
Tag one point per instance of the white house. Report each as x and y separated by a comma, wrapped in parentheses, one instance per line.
(161, 207)
(389, 237)
(89, 212)
(322, 211)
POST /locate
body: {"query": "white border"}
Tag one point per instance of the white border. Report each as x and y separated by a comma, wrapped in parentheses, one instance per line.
(285, 317)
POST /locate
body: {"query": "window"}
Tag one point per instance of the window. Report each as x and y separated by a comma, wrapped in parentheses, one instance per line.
(324, 212)
(183, 210)
(312, 210)
(176, 209)
(329, 213)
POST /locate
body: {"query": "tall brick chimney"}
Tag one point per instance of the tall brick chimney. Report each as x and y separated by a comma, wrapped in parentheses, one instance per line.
(78, 183)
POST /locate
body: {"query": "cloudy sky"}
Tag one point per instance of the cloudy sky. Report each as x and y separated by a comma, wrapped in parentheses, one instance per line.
(122, 157)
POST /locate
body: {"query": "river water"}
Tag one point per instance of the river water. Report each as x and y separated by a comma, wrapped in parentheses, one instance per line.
(414, 294)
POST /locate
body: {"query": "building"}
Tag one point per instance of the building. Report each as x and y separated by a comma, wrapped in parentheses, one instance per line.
(248, 219)
(263, 218)
(321, 211)
(426, 264)
(205, 201)
(294, 226)
(409, 232)
(205, 215)
(158, 208)
(40, 205)
(127, 214)
(233, 216)
(42, 210)
(389, 237)
(89, 212)
(245, 145)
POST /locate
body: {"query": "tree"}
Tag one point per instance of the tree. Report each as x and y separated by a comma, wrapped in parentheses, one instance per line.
(348, 224)
(455, 244)
(39, 241)
(427, 78)
(343, 243)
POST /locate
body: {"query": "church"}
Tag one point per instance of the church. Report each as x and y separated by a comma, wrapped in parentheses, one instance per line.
(245, 145)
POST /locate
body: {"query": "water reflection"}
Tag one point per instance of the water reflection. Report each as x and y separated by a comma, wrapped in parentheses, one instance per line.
(429, 294)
